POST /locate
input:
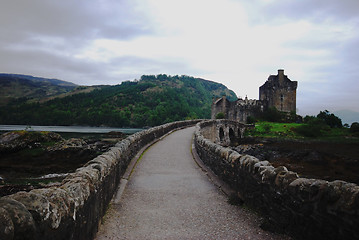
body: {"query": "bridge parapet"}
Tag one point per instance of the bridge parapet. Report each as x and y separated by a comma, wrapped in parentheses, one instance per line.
(73, 209)
(224, 132)
(304, 208)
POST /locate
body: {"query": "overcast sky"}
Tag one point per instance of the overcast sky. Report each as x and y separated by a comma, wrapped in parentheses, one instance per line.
(235, 42)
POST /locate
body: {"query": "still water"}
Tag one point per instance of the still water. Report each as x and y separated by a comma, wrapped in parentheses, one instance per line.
(69, 129)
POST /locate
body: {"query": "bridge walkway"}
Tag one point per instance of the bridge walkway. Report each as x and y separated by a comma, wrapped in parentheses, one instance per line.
(169, 197)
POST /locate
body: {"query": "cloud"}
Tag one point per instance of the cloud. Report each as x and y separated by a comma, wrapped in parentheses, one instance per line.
(318, 11)
(44, 37)
(238, 43)
(73, 19)
(323, 57)
(65, 27)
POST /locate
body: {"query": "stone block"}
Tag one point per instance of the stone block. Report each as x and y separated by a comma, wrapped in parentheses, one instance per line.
(348, 193)
(36, 204)
(250, 162)
(259, 164)
(6, 225)
(63, 204)
(22, 220)
(88, 173)
(268, 174)
(79, 190)
(234, 157)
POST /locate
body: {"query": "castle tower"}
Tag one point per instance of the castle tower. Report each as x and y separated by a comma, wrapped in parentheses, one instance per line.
(279, 92)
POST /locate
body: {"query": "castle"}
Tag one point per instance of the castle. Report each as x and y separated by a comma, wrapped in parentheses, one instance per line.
(278, 91)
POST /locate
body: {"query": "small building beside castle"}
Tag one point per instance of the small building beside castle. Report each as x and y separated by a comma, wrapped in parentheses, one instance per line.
(278, 91)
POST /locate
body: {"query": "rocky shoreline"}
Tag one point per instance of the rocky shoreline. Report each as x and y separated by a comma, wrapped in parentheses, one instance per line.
(30, 160)
(323, 160)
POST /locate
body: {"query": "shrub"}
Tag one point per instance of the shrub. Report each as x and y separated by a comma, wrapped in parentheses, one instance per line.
(354, 128)
(220, 115)
(272, 115)
(315, 127)
(251, 120)
(309, 130)
(307, 119)
(250, 132)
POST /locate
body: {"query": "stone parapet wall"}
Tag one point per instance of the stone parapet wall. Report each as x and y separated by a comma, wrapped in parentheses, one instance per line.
(304, 208)
(224, 131)
(73, 209)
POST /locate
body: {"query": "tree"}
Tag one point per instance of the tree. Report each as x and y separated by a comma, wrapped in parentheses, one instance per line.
(272, 115)
(354, 128)
(308, 118)
(330, 119)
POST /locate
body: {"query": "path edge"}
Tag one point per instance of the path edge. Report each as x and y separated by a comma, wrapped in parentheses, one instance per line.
(224, 187)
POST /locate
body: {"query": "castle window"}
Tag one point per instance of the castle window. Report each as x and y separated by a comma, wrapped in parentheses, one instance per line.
(281, 97)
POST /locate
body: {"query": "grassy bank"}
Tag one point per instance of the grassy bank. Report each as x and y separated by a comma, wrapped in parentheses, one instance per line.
(291, 131)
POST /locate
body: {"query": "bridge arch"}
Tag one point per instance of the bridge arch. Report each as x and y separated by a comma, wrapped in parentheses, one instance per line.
(221, 134)
(224, 132)
(232, 136)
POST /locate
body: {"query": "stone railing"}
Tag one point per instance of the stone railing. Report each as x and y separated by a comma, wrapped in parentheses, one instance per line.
(73, 209)
(303, 208)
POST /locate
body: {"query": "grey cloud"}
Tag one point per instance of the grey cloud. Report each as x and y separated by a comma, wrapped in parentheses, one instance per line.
(44, 64)
(40, 37)
(142, 66)
(72, 19)
(318, 10)
(335, 83)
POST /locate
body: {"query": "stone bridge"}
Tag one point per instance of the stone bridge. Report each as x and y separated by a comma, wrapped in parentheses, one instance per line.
(168, 197)
(223, 132)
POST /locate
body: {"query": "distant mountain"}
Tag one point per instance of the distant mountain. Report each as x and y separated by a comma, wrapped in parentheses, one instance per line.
(151, 101)
(347, 116)
(15, 86)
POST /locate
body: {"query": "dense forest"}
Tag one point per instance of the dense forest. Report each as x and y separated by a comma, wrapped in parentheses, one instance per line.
(150, 101)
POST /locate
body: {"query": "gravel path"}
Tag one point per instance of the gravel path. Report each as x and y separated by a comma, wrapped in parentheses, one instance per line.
(169, 197)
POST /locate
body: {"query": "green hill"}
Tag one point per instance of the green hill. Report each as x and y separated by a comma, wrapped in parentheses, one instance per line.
(15, 86)
(151, 101)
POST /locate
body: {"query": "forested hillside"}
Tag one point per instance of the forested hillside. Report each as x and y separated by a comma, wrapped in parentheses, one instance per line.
(151, 101)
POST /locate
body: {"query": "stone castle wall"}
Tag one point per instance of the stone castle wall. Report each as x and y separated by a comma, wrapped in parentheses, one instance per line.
(304, 208)
(73, 209)
(278, 91)
(238, 110)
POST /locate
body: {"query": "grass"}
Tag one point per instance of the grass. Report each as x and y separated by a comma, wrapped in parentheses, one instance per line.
(287, 130)
(270, 129)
